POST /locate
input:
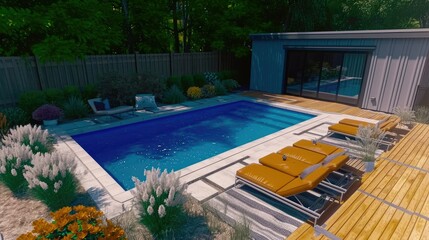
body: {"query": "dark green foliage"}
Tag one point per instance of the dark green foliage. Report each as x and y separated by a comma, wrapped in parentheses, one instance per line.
(75, 108)
(199, 80)
(149, 84)
(31, 100)
(15, 116)
(39, 147)
(173, 95)
(230, 84)
(175, 81)
(70, 91)
(54, 96)
(187, 81)
(225, 75)
(56, 200)
(220, 88)
(89, 91)
(119, 89)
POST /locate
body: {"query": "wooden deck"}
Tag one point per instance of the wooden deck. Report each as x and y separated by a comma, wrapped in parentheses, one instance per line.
(393, 200)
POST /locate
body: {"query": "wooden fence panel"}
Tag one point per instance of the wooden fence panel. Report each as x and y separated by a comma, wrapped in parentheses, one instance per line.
(97, 66)
(17, 75)
(59, 75)
(154, 64)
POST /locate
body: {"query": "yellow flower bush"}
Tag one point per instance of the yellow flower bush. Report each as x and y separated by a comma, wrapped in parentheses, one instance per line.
(79, 222)
(194, 93)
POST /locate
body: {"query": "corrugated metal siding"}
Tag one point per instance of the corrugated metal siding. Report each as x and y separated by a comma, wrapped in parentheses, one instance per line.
(395, 68)
(395, 72)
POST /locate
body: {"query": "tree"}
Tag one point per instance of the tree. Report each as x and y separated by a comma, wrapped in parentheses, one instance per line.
(58, 30)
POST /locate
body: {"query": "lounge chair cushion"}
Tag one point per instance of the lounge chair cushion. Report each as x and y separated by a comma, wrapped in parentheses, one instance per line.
(106, 104)
(145, 101)
(337, 162)
(299, 185)
(332, 156)
(290, 166)
(344, 129)
(264, 176)
(309, 170)
(302, 155)
(99, 106)
(321, 148)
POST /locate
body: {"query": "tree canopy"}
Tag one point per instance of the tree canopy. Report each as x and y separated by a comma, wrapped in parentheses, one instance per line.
(66, 29)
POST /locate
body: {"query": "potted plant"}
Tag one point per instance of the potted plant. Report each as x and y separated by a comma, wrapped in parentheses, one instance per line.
(367, 142)
(47, 113)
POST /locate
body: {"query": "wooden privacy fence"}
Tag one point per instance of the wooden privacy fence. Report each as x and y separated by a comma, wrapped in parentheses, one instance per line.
(19, 74)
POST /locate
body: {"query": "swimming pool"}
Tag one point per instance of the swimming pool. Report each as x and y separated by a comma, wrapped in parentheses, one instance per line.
(177, 141)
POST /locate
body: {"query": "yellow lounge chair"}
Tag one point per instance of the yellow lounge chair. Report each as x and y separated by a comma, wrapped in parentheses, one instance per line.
(318, 147)
(357, 123)
(286, 188)
(302, 155)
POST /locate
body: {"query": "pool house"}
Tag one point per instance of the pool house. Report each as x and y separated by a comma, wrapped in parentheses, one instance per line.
(373, 69)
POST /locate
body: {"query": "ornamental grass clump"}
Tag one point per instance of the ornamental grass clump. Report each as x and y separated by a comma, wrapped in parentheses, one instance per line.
(367, 141)
(51, 179)
(33, 136)
(79, 222)
(406, 115)
(12, 162)
(160, 200)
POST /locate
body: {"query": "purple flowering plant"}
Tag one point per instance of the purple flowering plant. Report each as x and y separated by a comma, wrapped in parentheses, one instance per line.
(46, 112)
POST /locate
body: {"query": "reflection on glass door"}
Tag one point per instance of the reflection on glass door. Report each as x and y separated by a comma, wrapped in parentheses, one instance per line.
(295, 70)
(328, 75)
(310, 82)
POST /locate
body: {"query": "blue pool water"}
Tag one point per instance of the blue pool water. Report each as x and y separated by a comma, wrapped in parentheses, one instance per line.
(177, 141)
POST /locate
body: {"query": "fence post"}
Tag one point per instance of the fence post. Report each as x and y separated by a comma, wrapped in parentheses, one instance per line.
(136, 62)
(36, 61)
(218, 60)
(171, 66)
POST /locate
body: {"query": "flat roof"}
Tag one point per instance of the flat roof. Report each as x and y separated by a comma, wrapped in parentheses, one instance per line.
(361, 34)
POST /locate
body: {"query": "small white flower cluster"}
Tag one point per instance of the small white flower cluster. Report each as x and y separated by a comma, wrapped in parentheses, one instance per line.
(163, 188)
(52, 167)
(32, 134)
(13, 158)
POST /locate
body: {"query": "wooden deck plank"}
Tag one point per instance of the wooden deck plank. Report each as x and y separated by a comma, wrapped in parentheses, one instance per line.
(392, 225)
(420, 196)
(402, 227)
(417, 231)
(382, 223)
(372, 223)
(300, 231)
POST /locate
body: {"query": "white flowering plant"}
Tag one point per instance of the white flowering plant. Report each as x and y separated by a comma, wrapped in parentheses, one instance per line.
(39, 140)
(51, 179)
(12, 161)
(160, 200)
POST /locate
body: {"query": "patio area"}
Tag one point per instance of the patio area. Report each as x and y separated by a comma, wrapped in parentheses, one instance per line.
(212, 181)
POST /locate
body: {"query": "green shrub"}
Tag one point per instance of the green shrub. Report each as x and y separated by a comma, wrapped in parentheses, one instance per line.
(171, 81)
(150, 84)
(54, 96)
(422, 114)
(220, 88)
(173, 95)
(75, 108)
(187, 81)
(70, 91)
(208, 90)
(160, 201)
(3, 125)
(31, 100)
(222, 75)
(79, 222)
(15, 116)
(89, 91)
(40, 141)
(199, 80)
(211, 77)
(120, 90)
(194, 93)
(51, 179)
(230, 84)
(12, 162)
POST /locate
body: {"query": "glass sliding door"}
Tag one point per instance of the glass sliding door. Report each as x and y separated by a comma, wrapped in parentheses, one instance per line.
(327, 75)
(351, 77)
(295, 70)
(312, 67)
(330, 75)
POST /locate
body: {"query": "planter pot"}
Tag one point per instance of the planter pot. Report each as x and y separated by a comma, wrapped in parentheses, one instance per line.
(369, 166)
(52, 122)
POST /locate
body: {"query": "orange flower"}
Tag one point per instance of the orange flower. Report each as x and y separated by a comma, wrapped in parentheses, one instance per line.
(74, 227)
(27, 236)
